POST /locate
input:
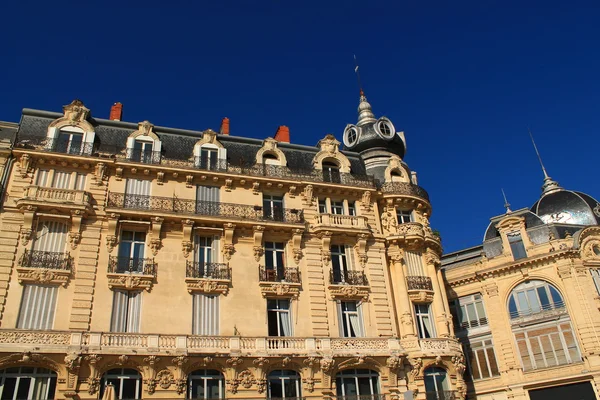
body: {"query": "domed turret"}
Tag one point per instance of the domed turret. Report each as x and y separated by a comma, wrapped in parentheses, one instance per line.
(375, 138)
(567, 207)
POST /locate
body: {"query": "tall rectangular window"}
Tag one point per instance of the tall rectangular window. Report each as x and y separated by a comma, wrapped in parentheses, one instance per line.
(414, 263)
(404, 216)
(481, 358)
(331, 173)
(42, 178)
(205, 320)
(62, 180)
(278, 316)
(322, 206)
(516, 245)
(126, 311)
(350, 319)
(132, 248)
(208, 158)
(69, 142)
(424, 321)
(137, 194)
(351, 208)
(273, 207)
(50, 236)
(468, 312)
(337, 207)
(274, 261)
(143, 151)
(38, 307)
(548, 345)
(339, 263)
(207, 200)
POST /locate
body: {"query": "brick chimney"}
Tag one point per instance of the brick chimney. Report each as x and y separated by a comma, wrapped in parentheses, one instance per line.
(116, 112)
(224, 126)
(283, 134)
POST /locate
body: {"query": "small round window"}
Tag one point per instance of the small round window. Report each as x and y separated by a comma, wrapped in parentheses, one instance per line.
(386, 129)
(350, 136)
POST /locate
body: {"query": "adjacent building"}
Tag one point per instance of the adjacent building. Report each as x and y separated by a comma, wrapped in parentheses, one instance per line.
(175, 263)
(525, 303)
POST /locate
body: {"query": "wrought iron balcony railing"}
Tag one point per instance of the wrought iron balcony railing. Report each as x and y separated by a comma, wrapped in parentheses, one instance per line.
(289, 275)
(542, 311)
(57, 145)
(201, 270)
(419, 283)
(404, 188)
(125, 265)
(46, 259)
(361, 397)
(218, 209)
(210, 165)
(356, 278)
(143, 156)
(441, 395)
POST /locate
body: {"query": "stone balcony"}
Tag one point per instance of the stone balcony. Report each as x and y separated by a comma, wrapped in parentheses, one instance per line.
(340, 223)
(131, 273)
(208, 278)
(15, 340)
(65, 199)
(432, 346)
(420, 289)
(44, 267)
(414, 233)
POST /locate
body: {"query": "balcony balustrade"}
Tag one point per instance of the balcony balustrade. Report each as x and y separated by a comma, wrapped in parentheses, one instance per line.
(61, 198)
(46, 259)
(355, 278)
(200, 270)
(288, 275)
(362, 397)
(419, 283)
(328, 221)
(155, 158)
(130, 265)
(205, 208)
(404, 188)
(24, 340)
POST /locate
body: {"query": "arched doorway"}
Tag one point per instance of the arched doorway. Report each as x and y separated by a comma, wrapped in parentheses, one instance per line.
(437, 384)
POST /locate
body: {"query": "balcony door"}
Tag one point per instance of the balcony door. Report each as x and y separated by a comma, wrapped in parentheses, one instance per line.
(342, 262)
(137, 194)
(284, 384)
(278, 311)
(436, 383)
(50, 237)
(274, 261)
(131, 251)
(273, 207)
(143, 151)
(207, 200)
(353, 384)
(69, 142)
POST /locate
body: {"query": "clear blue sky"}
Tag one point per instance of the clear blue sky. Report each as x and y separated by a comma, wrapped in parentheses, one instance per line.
(462, 79)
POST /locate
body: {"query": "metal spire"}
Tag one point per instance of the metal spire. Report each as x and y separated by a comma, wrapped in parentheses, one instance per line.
(365, 113)
(550, 185)
(506, 203)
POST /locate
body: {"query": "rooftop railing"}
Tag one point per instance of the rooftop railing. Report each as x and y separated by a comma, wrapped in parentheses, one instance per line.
(199, 207)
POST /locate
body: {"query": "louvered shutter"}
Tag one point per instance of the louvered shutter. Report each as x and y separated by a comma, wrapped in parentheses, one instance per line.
(38, 307)
(42, 178)
(62, 180)
(206, 314)
(414, 263)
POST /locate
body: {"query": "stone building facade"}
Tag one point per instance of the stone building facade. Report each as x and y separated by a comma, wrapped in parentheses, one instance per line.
(526, 304)
(194, 264)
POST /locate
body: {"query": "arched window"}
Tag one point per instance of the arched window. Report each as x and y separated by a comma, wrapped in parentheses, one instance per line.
(126, 381)
(534, 297)
(284, 384)
(331, 172)
(437, 385)
(352, 383)
(27, 383)
(396, 176)
(206, 384)
(270, 159)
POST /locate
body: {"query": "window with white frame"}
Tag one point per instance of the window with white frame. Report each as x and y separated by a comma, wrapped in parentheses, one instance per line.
(350, 319)
(547, 345)
(468, 312)
(206, 254)
(132, 247)
(38, 307)
(355, 384)
(337, 207)
(32, 383)
(351, 208)
(331, 172)
(126, 311)
(205, 319)
(596, 277)
(273, 207)
(424, 321)
(534, 297)
(126, 381)
(284, 384)
(208, 159)
(322, 206)
(50, 237)
(437, 384)
(342, 262)
(516, 245)
(206, 384)
(481, 358)
(278, 317)
(143, 151)
(275, 261)
(404, 216)
(69, 140)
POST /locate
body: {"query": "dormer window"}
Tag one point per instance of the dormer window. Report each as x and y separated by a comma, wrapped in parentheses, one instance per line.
(144, 145)
(143, 151)
(69, 141)
(270, 159)
(516, 245)
(208, 158)
(331, 172)
(209, 153)
(72, 133)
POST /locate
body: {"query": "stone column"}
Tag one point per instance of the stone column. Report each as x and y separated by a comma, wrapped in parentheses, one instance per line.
(438, 300)
(402, 302)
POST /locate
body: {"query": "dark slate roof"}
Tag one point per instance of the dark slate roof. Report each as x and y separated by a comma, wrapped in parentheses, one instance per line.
(578, 208)
(111, 136)
(8, 131)
(531, 220)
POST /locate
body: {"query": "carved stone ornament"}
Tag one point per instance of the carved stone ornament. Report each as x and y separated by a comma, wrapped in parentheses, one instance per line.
(25, 164)
(246, 378)
(327, 364)
(280, 289)
(228, 250)
(43, 276)
(308, 194)
(416, 365)
(130, 281)
(165, 379)
(349, 292)
(394, 362)
(209, 286)
(155, 245)
(459, 363)
(591, 250)
(186, 247)
(258, 252)
(25, 235)
(389, 224)
(74, 239)
(309, 384)
(366, 200)
(111, 242)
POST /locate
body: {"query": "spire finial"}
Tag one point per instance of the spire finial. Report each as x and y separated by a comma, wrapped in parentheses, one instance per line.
(550, 185)
(365, 113)
(360, 88)
(506, 203)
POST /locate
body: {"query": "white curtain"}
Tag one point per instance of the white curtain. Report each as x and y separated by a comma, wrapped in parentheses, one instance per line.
(40, 388)
(126, 311)
(350, 258)
(414, 263)
(215, 249)
(205, 319)
(62, 180)
(427, 323)
(38, 306)
(80, 182)
(284, 319)
(50, 236)
(42, 178)
(138, 187)
(355, 322)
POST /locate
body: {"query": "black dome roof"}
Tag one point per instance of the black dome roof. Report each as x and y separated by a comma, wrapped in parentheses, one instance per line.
(569, 207)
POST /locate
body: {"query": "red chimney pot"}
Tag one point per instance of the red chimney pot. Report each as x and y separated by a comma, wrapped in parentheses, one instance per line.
(225, 126)
(116, 112)
(283, 134)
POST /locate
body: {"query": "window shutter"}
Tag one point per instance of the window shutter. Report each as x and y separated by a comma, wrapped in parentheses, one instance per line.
(361, 324)
(350, 258)
(207, 193)
(50, 236)
(206, 314)
(38, 307)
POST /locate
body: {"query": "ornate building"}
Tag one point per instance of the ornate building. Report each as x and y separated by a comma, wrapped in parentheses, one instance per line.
(526, 304)
(186, 264)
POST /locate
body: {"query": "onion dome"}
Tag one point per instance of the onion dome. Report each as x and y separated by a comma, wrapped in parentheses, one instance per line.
(372, 133)
(567, 207)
